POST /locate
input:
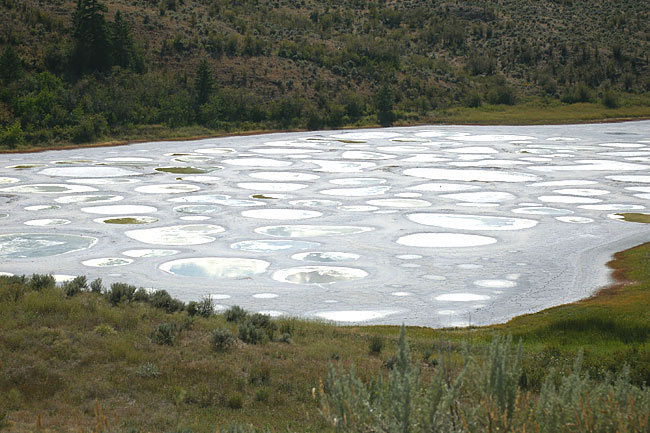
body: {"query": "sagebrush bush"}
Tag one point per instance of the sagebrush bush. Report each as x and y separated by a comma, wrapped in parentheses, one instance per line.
(376, 344)
(39, 282)
(235, 314)
(164, 334)
(482, 397)
(203, 308)
(251, 334)
(221, 339)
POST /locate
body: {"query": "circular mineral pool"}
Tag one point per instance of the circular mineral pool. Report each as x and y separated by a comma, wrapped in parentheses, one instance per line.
(318, 274)
(32, 245)
(191, 234)
(444, 240)
(305, 231)
(273, 245)
(47, 222)
(325, 256)
(281, 214)
(106, 262)
(127, 220)
(215, 267)
(471, 222)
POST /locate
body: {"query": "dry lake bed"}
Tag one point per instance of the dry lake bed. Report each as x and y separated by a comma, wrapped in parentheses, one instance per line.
(428, 225)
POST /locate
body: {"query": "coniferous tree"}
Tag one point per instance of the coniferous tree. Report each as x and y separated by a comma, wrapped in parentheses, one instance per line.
(11, 67)
(204, 84)
(91, 40)
(121, 41)
(384, 104)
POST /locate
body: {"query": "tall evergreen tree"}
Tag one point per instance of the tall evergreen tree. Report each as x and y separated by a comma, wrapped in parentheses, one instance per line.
(204, 83)
(91, 41)
(121, 41)
(384, 104)
(11, 67)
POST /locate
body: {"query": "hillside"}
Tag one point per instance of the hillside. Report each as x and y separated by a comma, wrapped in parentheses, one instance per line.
(133, 68)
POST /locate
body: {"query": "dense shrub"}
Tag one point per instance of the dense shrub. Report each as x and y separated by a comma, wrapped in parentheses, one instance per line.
(376, 344)
(121, 292)
(163, 300)
(250, 333)
(221, 339)
(164, 334)
(203, 308)
(39, 282)
(235, 314)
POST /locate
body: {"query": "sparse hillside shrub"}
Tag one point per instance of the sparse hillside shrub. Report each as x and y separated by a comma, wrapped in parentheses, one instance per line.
(203, 308)
(610, 100)
(121, 292)
(164, 334)
(39, 282)
(376, 344)
(577, 93)
(235, 314)
(482, 396)
(96, 286)
(221, 339)
(250, 333)
(163, 300)
(76, 286)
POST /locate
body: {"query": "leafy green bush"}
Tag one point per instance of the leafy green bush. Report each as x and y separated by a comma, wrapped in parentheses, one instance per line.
(163, 300)
(235, 400)
(164, 334)
(96, 286)
(577, 93)
(610, 100)
(376, 344)
(235, 314)
(481, 397)
(121, 292)
(221, 339)
(39, 282)
(76, 286)
(203, 308)
(250, 333)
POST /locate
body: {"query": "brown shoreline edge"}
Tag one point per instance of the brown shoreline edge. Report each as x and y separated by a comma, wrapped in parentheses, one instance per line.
(71, 146)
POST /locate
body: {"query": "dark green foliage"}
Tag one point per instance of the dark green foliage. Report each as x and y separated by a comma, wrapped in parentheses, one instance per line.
(96, 286)
(164, 334)
(203, 308)
(384, 103)
(376, 344)
(40, 282)
(221, 339)
(76, 286)
(12, 136)
(91, 50)
(11, 66)
(121, 292)
(163, 300)
(501, 94)
(203, 83)
(235, 401)
(610, 100)
(250, 333)
(122, 50)
(577, 93)
(235, 314)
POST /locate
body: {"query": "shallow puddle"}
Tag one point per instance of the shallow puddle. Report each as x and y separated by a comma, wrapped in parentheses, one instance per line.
(127, 220)
(568, 199)
(97, 198)
(40, 207)
(272, 186)
(107, 262)
(358, 181)
(495, 284)
(469, 175)
(471, 222)
(170, 188)
(47, 222)
(147, 252)
(273, 245)
(354, 315)
(442, 187)
(359, 154)
(216, 267)
(356, 192)
(306, 231)
(341, 166)
(574, 219)
(48, 188)
(541, 210)
(122, 209)
(284, 176)
(481, 197)
(612, 206)
(182, 170)
(198, 209)
(33, 245)
(281, 214)
(325, 256)
(318, 274)
(256, 162)
(191, 234)
(88, 172)
(583, 192)
(444, 240)
(403, 203)
(461, 297)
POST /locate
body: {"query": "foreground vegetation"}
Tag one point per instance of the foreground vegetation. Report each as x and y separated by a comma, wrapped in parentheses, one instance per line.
(82, 357)
(103, 70)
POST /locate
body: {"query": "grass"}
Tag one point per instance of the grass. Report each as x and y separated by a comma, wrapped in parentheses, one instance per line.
(636, 217)
(182, 170)
(68, 363)
(127, 220)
